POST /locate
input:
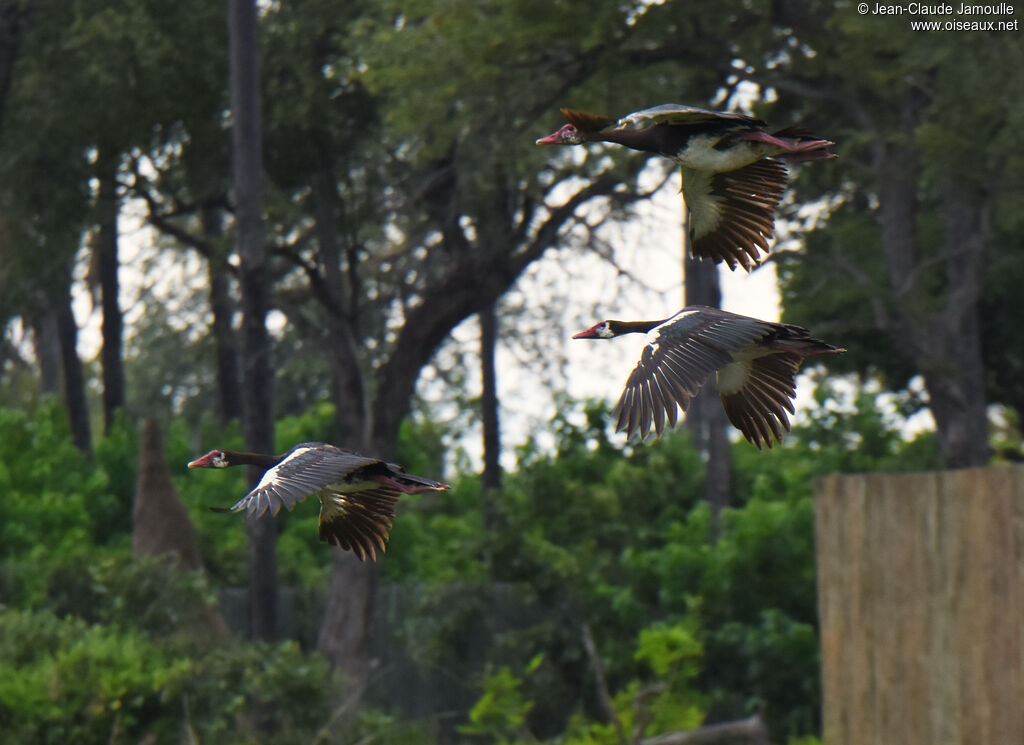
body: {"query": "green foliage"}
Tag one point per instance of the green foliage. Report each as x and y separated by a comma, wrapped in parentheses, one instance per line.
(44, 480)
(892, 290)
(669, 650)
(671, 704)
(94, 82)
(116, 456)
(106, 647)
(63, 680)
(1003, 348)
(622, 541)
(48, 488)
(153, 596)
(617, 538)
(438, 538)
(674, 653)
(775, 661)
(501, 711)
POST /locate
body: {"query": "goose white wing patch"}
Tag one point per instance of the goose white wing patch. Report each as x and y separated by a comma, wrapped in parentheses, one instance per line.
(674, 113)
(732, 214)
(273, 474)
(757, 394)
(732, 377)
(302, 473)
(704, 206)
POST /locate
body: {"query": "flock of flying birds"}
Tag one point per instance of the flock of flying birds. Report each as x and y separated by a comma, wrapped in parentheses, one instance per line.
(733, 178)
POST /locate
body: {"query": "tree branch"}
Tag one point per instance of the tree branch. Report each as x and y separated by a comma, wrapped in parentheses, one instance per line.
(479, 275)
(165, 226)
(317, 283)
(751, 730)
(832, 91)
(643, 714)
(603, 696)
(602, 186)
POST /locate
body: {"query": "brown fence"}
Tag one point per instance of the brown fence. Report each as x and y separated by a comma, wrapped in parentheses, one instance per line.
(921, 595)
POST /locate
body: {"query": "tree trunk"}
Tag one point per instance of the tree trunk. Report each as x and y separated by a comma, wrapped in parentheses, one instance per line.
(945, 345)
(477, 278)
(229, 391)
(898, 212)
(46, 341)
(351, 406)
(113, 325)
(706, 419)
(257, 419)
(229, 387)
(74, 377)
(955, 380)
(12, 30)
(718, 478)
(491, 480)
(348, 618)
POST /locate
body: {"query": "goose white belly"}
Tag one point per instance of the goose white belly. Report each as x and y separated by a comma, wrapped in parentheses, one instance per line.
(700, 154)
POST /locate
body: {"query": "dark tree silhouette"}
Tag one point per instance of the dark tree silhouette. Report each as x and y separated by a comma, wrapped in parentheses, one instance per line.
(257, 416)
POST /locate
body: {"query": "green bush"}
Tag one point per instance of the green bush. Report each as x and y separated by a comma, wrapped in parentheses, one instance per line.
(65, 680)
(619, 539)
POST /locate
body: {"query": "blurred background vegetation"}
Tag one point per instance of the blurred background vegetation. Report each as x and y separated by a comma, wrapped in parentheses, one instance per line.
(571, 587)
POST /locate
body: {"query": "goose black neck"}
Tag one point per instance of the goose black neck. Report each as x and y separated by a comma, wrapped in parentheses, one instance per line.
(632, 327)
(663, 139)
(651, 139)
(252, 459)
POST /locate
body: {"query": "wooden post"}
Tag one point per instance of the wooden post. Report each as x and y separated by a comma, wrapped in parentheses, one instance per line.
(921, 599)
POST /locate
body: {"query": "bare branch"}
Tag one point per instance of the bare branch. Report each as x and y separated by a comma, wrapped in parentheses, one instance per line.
(344, 710)
(181, 235)
(317, 282)
(828, 90)
(751, 730)
(603, 696)
(9, 352)
(643, 714)
(602, 186)
(478, 275)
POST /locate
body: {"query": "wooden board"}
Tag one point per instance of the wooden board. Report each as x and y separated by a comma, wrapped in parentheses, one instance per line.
(921, 600)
